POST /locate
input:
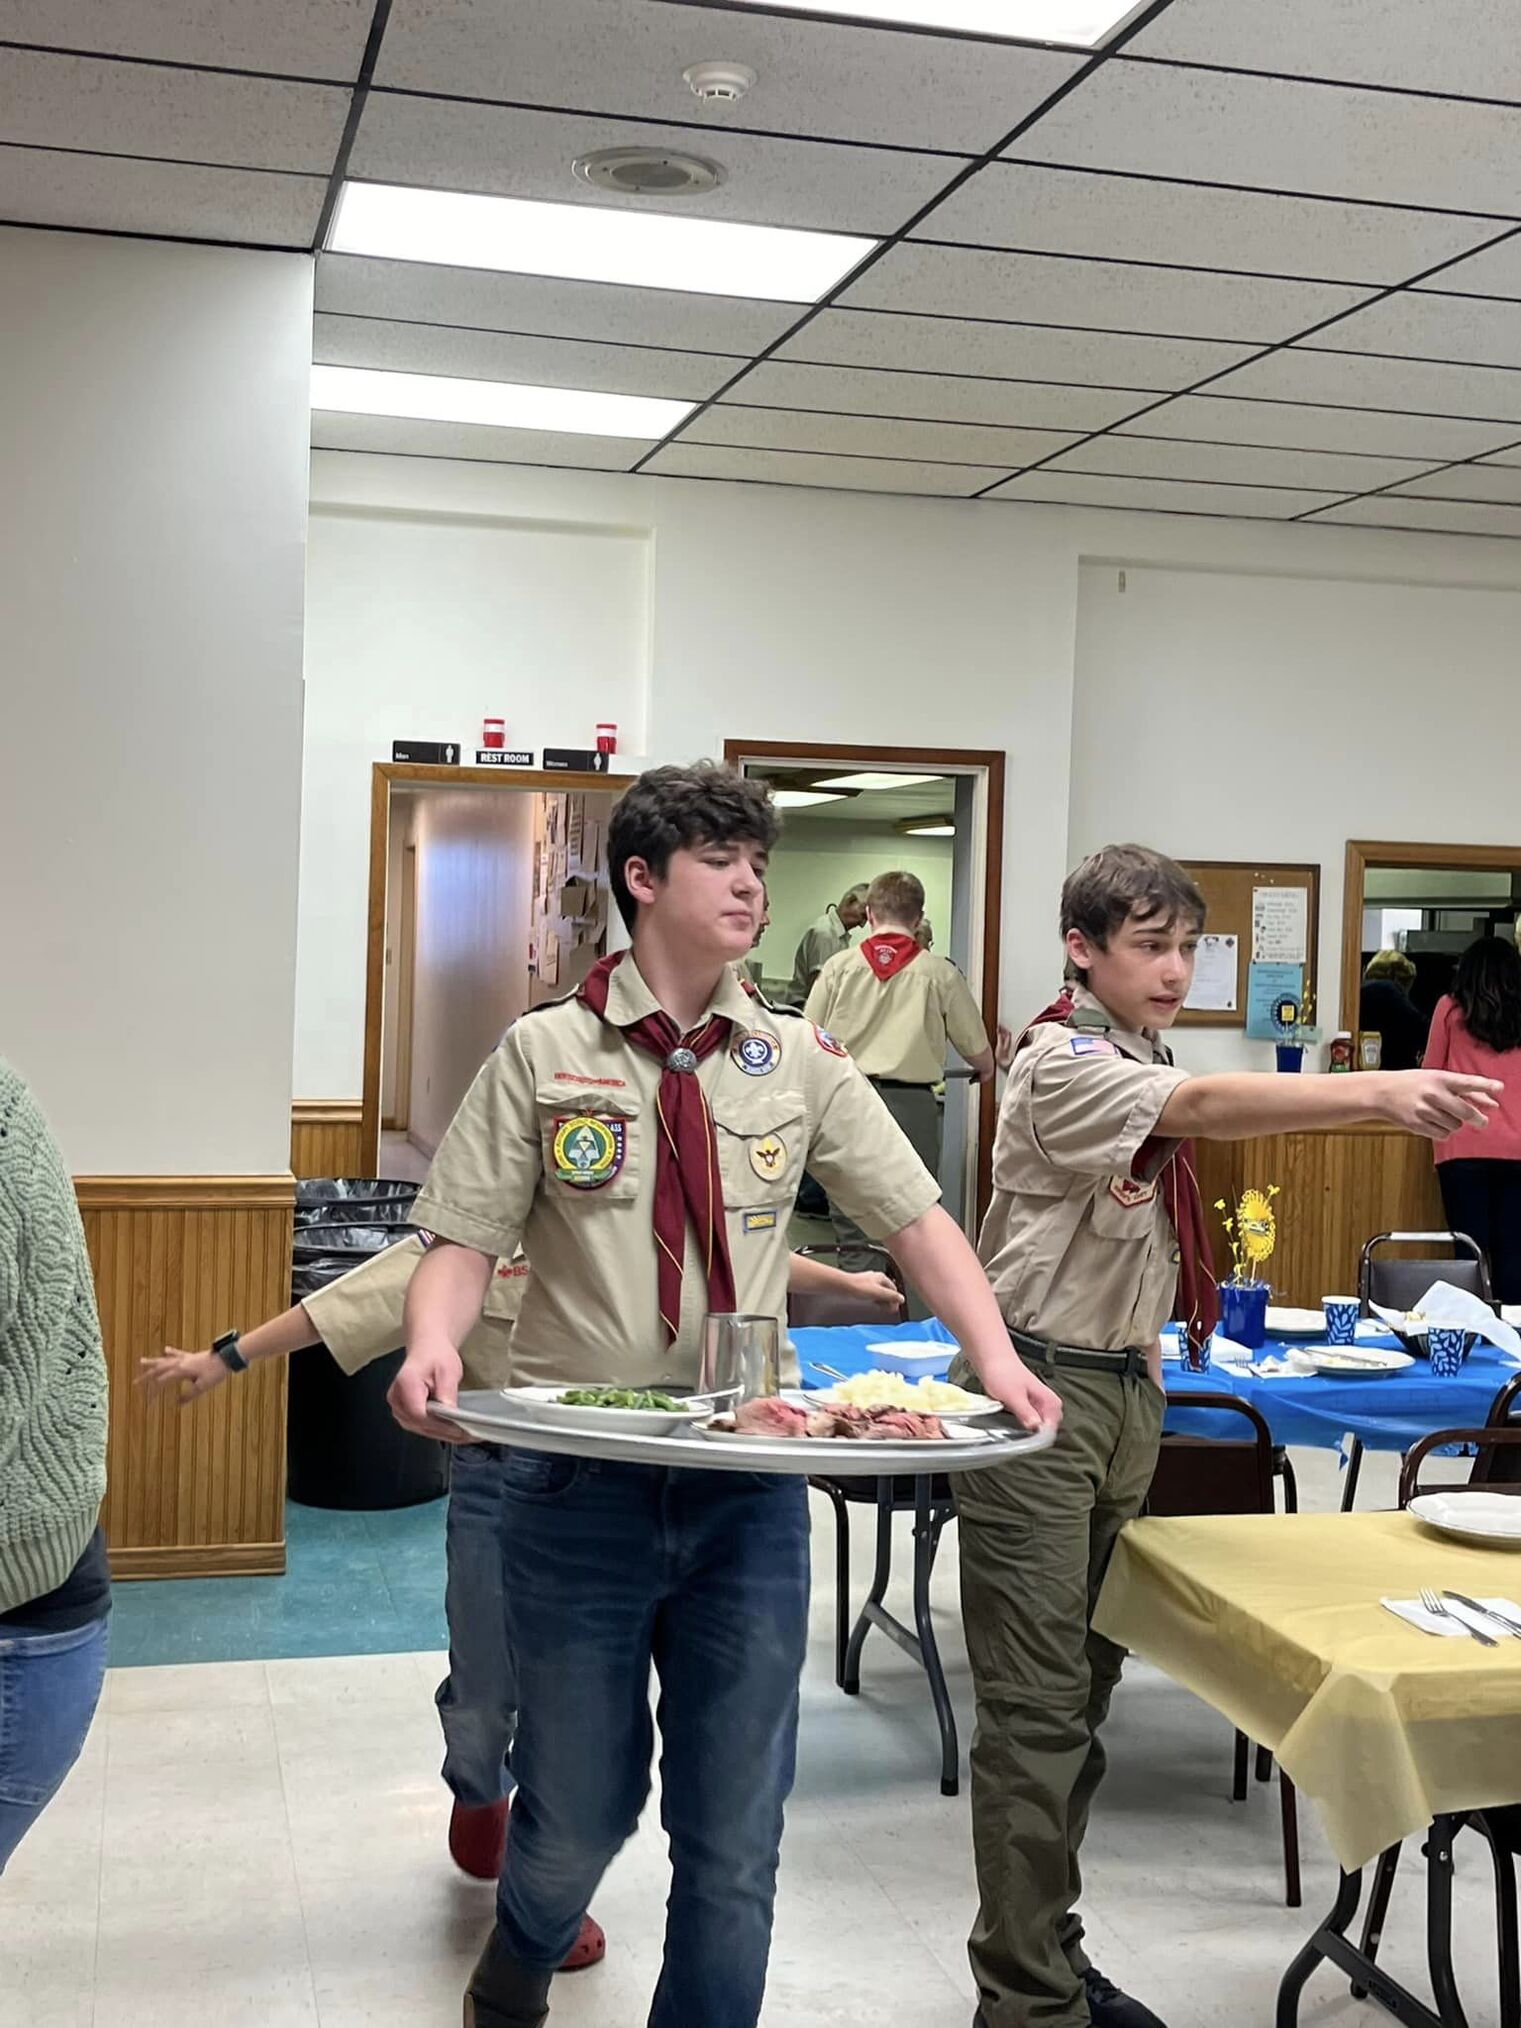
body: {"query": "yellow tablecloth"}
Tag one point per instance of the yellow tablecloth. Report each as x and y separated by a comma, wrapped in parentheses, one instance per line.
(1275, 1620)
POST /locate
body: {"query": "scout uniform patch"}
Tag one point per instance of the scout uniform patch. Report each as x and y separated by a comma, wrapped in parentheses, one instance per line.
(759, 1221)
(827, 1042)
(768, 1157)
(1092, 1045)
(588, 1150)
(1129, 1190)
(757, 1054)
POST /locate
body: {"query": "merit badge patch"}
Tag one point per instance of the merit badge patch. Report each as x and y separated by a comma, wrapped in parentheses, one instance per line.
(1129, 1190)
(756, 1054)
(758, 1221)
(1092, 1045)
(588, 1150)
(768, 1157)
(827, 1042)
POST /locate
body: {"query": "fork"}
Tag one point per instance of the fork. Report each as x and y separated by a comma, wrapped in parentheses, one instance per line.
(1439, 1611)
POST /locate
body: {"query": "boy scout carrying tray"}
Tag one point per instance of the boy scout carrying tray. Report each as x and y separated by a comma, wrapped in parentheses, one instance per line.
(644, 1141)
(1095, 1235)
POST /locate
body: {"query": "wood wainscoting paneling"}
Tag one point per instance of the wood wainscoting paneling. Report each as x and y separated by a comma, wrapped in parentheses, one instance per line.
(1338, 1189)
(196, 1491)
(327, 1138)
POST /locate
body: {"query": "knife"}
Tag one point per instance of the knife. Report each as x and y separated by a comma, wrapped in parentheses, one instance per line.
(1487, 1612)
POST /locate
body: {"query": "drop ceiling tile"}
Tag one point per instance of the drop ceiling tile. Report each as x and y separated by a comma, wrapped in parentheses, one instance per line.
(1496, 272)
(1360, 381)
(812, 77)
(781, 429)
(1508, 454)
(684, 460)
(542, 304)
(1235, 464)
(1209, 418)
(193, 116)
(1038, 208)
(1009, 351)
(1102, 295)
(1463, 46)
(1443, 517)
(403, 437)
(287, 37)
(1418, 325)
(1073, 489)
(1271, 134)
(39, 186)
(1500, 483)
(506, 152)
(534, 362)
(934, 397)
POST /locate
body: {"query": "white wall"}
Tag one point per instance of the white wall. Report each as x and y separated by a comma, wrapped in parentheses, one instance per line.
(1226, 716)
(422, 619)
(815, 864)
(474, 898)
(153, 412)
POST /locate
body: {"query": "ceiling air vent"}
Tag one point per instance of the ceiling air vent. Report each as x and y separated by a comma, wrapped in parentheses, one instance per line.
(648, 172)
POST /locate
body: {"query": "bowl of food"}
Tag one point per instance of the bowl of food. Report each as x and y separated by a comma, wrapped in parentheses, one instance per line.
(927, 1396)
(919, 1358)
(615, 1411)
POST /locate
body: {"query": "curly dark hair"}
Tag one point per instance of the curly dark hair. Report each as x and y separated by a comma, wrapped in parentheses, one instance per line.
(1487, 989)
(668, 809)
(1120, 883)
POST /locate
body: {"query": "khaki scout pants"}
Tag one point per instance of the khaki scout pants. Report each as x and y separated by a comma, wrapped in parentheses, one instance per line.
(1036, 1538)
(917, 1112)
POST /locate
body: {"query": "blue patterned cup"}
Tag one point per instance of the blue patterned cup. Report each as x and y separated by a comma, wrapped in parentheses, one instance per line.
(1447, 1347)
(1194, 1359)
(1341, 1319)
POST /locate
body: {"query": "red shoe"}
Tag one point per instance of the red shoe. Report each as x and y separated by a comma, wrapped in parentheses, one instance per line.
(478, 1838)
(589, 1948)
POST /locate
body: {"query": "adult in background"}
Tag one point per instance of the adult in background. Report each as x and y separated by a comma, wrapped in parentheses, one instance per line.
(1477, 1027)
(55, 1588)
(822, 939)
(1385, 1004)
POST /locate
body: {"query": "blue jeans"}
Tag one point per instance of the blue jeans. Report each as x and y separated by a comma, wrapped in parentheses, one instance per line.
(49, 1687)
(610, 1568)
(477, 1700)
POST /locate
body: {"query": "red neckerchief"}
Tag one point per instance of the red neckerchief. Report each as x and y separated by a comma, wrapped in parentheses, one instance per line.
(1198, 1298)
(687, 1182)
(889, 952)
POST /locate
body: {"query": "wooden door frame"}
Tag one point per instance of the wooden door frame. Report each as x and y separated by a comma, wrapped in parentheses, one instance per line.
(382, 775)
(991, 761)
(404, 955)
(1363, 853)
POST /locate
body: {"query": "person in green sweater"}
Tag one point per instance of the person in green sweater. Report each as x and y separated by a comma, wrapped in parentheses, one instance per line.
(55, 1588)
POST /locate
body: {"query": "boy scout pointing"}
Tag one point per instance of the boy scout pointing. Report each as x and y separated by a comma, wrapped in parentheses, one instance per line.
(1094, 1231)
(644, 1140)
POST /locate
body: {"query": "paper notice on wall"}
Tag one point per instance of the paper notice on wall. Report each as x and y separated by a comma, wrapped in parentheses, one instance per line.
(1280, 925)
(1267, 987)
(1215, 971)
(575, 824)
(549, 959)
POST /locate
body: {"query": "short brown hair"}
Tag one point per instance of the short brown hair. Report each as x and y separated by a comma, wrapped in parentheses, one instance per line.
(671, 809)
(1127, 883)
(899, 897)
(1392, 965)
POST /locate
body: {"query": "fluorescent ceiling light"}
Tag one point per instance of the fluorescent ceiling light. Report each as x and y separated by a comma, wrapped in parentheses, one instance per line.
(593, 243)
(930, 830)
(803, 799)
(871, 780)
(501, 404)
(1080, 23)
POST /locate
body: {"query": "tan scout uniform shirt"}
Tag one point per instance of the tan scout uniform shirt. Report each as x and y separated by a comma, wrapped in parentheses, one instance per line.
(818, 944)
(554, 1147)
(898, 1027)
(359, 1316)
(1075, 1248)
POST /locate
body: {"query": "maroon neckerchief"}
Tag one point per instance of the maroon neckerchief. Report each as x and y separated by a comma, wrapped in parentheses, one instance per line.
(889, 952)
(687, 1182)
(1198, 1298)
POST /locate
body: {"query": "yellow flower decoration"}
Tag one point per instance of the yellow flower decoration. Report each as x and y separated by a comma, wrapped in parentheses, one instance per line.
(1259, 1227)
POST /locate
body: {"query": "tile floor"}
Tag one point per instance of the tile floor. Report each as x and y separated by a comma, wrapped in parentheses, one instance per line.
(260, 1844)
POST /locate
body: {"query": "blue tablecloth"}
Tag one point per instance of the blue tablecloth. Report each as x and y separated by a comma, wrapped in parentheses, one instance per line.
(1388, 1414)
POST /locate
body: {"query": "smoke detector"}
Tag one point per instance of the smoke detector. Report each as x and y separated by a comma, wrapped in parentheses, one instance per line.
(648, 172)
(719, 83)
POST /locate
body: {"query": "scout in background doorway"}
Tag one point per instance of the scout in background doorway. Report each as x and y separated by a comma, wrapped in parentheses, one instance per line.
(1094, 1237)
(713, 1102)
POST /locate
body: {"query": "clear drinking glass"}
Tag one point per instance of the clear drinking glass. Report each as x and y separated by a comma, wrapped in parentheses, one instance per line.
(741, 1356)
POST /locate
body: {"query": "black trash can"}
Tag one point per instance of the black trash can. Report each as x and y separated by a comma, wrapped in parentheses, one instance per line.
(313, 1190)
(343, 1448)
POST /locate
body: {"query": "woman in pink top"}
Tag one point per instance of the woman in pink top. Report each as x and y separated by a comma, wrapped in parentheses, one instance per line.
(1477, 1027)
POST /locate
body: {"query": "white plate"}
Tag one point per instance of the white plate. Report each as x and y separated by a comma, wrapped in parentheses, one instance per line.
(979, 1406)
(1356, 1362)
(888, 1448)
(1473, 1517)
(914, 1358)
(543, 1404)
(1288, 1323)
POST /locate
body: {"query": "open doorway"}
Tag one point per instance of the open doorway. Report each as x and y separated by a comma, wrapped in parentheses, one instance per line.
(488, 895)
(850, 813)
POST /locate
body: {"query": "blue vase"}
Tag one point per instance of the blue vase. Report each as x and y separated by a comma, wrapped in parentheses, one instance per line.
(1290, 1055)
(1243, 1313)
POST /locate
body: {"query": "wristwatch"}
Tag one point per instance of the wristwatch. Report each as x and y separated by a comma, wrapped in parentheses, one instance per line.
(226, 1349)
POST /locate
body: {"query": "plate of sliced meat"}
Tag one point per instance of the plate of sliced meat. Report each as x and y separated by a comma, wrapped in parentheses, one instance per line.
(825, 1426)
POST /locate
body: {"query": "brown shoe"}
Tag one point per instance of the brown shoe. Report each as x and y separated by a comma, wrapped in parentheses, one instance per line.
(504, 1992)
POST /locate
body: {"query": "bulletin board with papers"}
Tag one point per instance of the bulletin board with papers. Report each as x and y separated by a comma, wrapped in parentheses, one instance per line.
(1261, 942)
(571, 896)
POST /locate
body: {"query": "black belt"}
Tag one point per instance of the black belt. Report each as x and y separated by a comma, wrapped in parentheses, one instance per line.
(1130, 1362)
(899, 1084)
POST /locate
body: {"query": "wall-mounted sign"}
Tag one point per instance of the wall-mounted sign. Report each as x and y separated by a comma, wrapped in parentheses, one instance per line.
(580, 760)
(501, 757)
(438, 753)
